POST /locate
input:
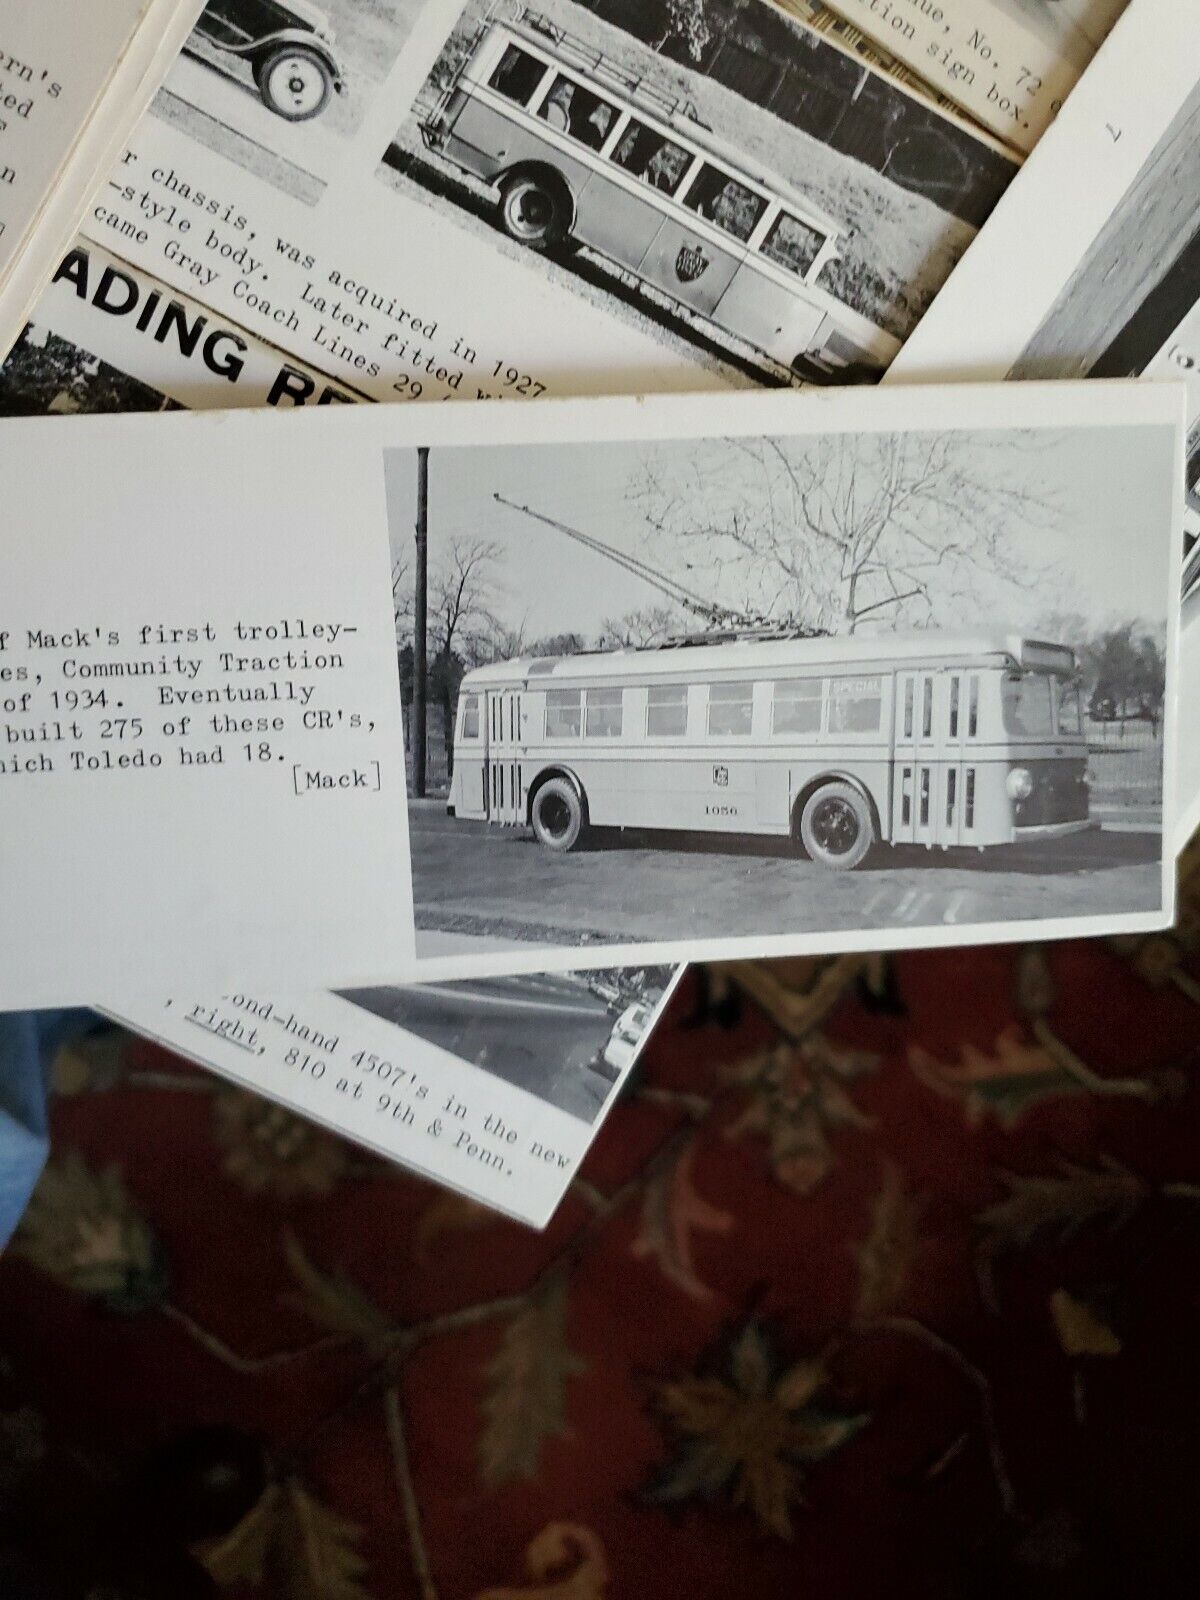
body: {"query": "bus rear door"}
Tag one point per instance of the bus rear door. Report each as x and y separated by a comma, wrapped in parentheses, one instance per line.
(503, 789)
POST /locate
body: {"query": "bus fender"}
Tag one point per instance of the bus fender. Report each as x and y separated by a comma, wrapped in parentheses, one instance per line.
(554, 772)
(834, 776)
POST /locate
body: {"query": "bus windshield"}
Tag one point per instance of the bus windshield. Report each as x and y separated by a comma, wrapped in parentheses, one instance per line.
(1026, 700)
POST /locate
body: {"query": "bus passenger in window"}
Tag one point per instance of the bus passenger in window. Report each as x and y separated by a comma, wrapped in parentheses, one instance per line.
(719, 198)
(575, 111)
(517, 75)
(654, 159)
(557, 107)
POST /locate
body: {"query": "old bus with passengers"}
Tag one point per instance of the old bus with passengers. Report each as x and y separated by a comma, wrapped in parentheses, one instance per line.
(839, 743)
(579, 151)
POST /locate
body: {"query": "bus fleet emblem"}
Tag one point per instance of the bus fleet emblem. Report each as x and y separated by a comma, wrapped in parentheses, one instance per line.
(721, 777)
(691, 263)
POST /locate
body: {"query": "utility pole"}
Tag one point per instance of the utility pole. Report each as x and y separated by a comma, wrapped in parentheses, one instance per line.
(420, 603)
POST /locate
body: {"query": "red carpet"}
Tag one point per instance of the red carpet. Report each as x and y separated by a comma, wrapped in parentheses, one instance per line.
(882, 1280)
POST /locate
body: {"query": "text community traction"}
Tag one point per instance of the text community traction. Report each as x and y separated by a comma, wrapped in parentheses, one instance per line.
(95, 698)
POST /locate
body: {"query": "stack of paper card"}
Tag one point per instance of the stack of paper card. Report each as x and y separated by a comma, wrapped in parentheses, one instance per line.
(392, 760)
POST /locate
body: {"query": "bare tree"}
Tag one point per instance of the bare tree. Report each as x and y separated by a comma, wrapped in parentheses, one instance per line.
(459, 586)
(827, 531)
(403, 603)
(460, 619)
(649, 625)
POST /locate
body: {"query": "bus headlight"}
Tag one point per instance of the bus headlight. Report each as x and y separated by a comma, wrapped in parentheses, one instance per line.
(1019, 783)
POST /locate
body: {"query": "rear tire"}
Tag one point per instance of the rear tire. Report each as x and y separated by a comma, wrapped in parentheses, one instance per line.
(557, 815)
(836, 826)
(533, 211)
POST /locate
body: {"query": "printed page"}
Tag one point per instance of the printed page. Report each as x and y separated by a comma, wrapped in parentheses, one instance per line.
(429, 201)
(494, 1087)
(73, 79)
(698, 676)
(1091, 267)
(106, 337)
(1009, 63)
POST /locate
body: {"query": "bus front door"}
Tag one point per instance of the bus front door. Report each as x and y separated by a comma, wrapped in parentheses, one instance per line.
(503, 789)
(917, 771)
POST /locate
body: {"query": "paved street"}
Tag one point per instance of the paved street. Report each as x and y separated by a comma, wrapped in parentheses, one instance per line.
(538, 1032)
(470, 879)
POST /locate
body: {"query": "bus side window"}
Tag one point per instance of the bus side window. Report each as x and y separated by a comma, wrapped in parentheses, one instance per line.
(730, 708)
(908, 708)
(563, 714)
(954, 683)
(603, 713)
(721, 199)
(796, 705)
(652, 157)
(470, 716)
(666, 710)
(855, 705)
(517, 75)
(792, 244)
(927, 710)
(973, 709)
(578, 112)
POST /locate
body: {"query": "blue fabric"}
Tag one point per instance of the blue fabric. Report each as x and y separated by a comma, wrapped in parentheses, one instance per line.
(28, 1040)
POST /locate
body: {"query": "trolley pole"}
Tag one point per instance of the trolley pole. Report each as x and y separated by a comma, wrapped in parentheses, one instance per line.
(420, 603)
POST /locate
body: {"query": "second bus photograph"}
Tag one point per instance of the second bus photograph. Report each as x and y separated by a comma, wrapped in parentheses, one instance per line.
(659, 691)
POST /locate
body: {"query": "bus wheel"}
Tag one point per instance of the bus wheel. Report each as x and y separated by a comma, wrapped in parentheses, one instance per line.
(836, 827)
(294, 82)
(531, 210)
(557, 814)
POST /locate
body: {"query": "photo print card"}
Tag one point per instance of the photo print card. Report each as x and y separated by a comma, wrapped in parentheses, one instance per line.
(662, 679)
(1091, 268)
(495, 1087)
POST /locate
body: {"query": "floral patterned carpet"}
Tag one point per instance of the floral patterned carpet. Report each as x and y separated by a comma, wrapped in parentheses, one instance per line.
(883, 1279)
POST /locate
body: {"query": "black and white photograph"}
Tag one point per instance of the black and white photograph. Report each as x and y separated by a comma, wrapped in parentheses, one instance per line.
(279, 86)
(565, 1038)
(678, 690)
(721, 175)
(45, 374)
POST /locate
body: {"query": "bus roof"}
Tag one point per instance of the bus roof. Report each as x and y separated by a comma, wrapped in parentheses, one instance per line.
(766, 656)
(660, 109)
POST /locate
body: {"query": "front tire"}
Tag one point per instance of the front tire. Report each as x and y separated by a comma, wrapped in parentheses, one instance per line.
(836, 826)
(295, 83)
(533, 211)
(557, 815)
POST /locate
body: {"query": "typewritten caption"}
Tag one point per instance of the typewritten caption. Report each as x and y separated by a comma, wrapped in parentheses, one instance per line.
(388, 1101)
(26, 90)
(284, 291)
(91, 699)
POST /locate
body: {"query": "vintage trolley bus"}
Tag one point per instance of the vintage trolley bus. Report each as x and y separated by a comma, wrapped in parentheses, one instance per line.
(842, 743)
(579, 151)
